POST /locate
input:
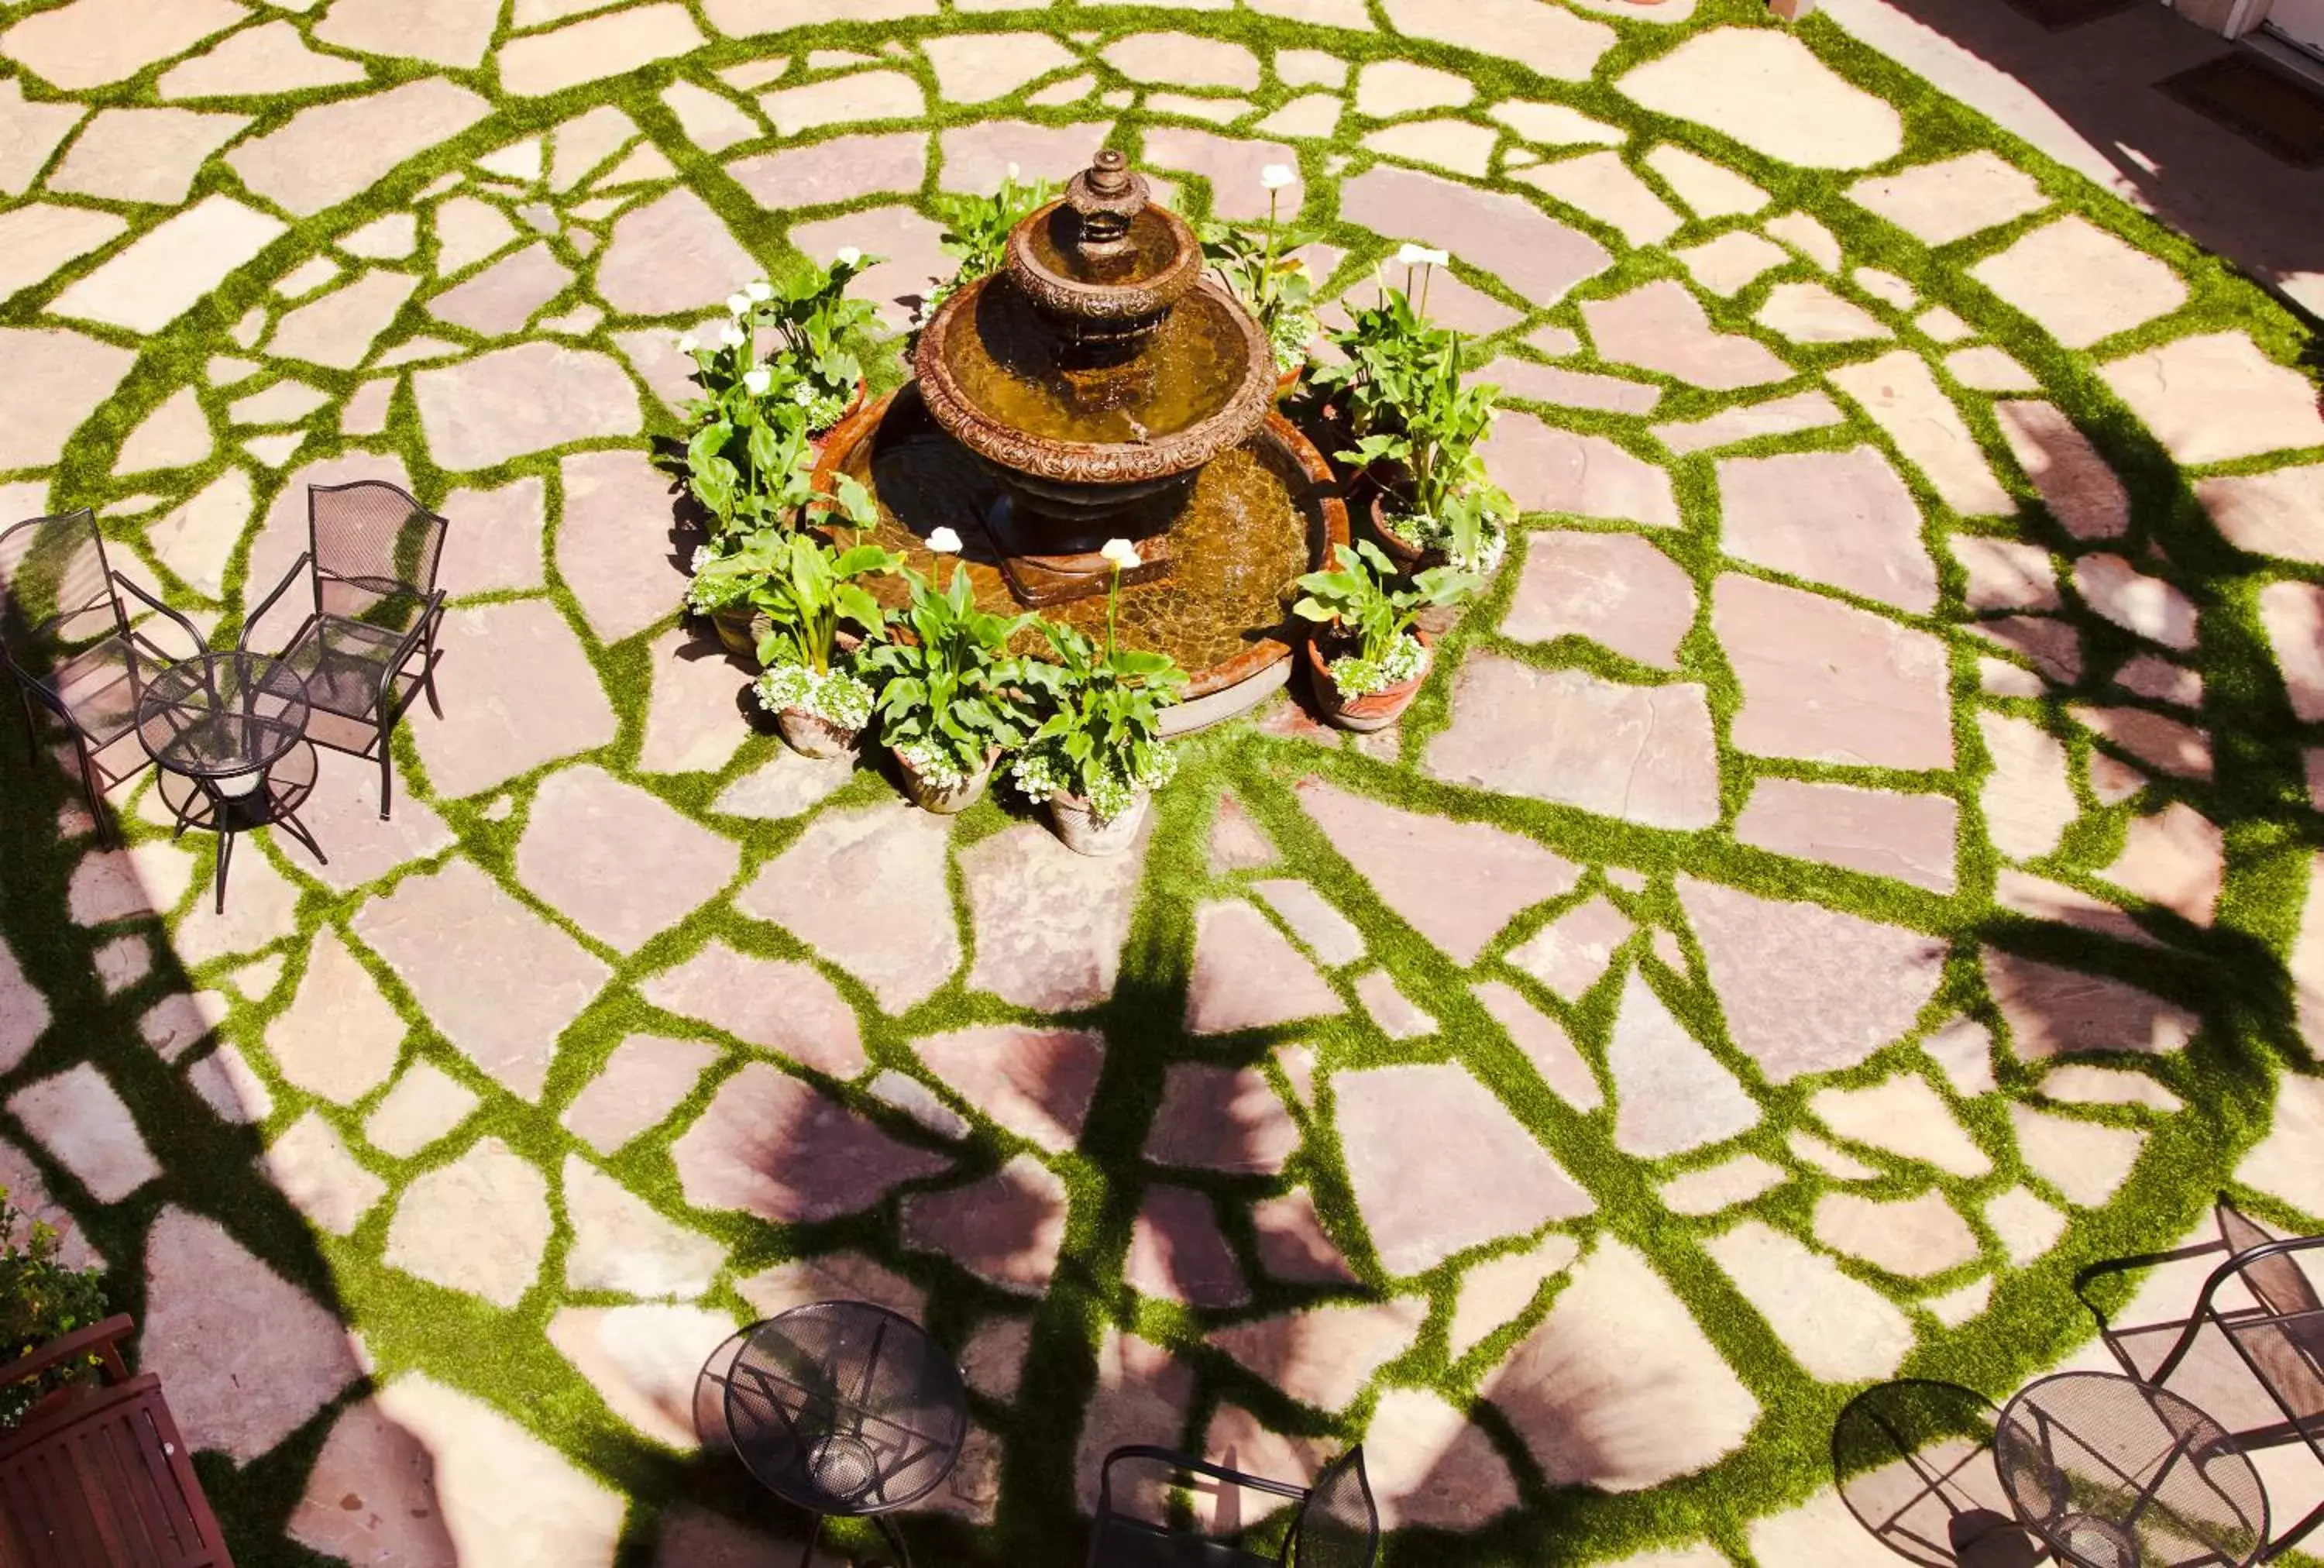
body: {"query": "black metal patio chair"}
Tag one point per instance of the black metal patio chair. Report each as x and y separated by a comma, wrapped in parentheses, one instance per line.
(2278, 1337)
(368, 647)
(1337, 1524)
(74, 651)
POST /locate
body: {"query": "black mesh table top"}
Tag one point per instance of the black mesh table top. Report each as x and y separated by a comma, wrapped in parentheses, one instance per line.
(2112, 1473)
(845, 1408)
(223, 715)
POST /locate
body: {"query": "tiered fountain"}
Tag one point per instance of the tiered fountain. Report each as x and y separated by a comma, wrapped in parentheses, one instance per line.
(1099, 387)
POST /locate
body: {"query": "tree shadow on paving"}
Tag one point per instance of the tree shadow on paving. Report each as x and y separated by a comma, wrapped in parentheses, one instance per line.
(1914, 1463)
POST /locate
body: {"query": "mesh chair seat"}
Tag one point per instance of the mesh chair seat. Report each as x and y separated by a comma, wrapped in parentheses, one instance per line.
(98, 689)
(1129, 1544)
(345, 664)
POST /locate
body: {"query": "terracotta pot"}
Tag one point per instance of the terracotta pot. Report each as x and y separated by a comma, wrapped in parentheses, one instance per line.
(1288, 382)
(1410, 559)
(735, 632)
(812, 736)
(1364, 714)
(1078, 826)
(855, 407)
(944, 802)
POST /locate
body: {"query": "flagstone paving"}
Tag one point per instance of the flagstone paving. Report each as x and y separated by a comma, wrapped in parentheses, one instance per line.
(1853, 867)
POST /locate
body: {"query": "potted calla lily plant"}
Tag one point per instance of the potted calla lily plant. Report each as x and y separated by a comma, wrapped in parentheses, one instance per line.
(952, 697)
(1099, 756)
(1263, 271)
(813, 321)
(1368, 656)
(804, 589)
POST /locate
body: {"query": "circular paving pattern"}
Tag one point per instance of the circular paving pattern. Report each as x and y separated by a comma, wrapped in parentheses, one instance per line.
(1851, 871)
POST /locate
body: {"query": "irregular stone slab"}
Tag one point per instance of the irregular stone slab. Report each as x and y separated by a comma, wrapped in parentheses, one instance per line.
(1806, 989)
(1841, 518)
(1247, 975)
(2146, 606)
(1007, 1230)
(56, 380)
(343, 814)
(527, 696)
(910, 248)
(771, 1146)
(776, 1003)
(1325, 1355)
(110, 885)
(332, 152)
(1808, 237)
(1903, 398)
(2041, 898)
(1877, 832)
(979, 67)
(174, 435)
(1660, 326)
(2028, 798)
(1292, 1245)
(1783, 416)
(645, 1079)
(2054, 648)
(1179, 1254)
(865, 97)
(867, 889)
(1722, 1186)
(2274, 514)
(477, 1225)
(1571, 953)
(1988, 369)
(1905, 1115)
(1831, 683)
(2005, 574)
(255, 61)
(2085, 1083)
(2176, 858)
(2285, 1162)
(339, 1038)
(785, 786)
(1618, 1387)
(1939, 203)
(977, 157)
(1642, 754)
(1505, 235)
(1914, 1236)
(1327, 933)
(541, 63)
(468, 231)
(2214, 397)
(79, 1118)
(1811, 313)
(1670, 1094)
(1602, 185)
(494, 1482)
(339, 329)
(2158, 742)
(1578, 389)
(621, 1244)
(1431, 1467)
(1049, 923)
(2291, 613)
(1556, 44)
(24, 1013)
(1548, 470)
(500, 300)
(743, 18)
(2079, 283)
(2055, 1013)
(484, 412)
(247, 1357)
(1732, 261)
(1410, 860)
(993, 1361)
(671, 255)
(425, 1105)
(693, 718)
(1142, 1391)
(1501, 1289)
(1390, 1009)
(1225, 1119)
(28, 133)
(841, 169)
(902, 1091)
(1178, 59)
(1839, 1329)
(1036, 1082)
(832, 1277)
(1438, 1165)
(147, 155)
(2086, 1162)
(1393, 88)
(1709, 189)
(91, 42)
(179, 1022)
(644, 1361)
(502, 533)
(586, 834)
(1767, 91)
(452, 33)
(496, 980)
(314, 1170)
(1543, 1042)
(28, 1196)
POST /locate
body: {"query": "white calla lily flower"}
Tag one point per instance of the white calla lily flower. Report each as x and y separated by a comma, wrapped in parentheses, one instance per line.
(1122, 554)
(732, 336)
(1276, 176)
(945, 542)
(848, 255)
(686, 343)
(758, 381)
(1408, 255)
(738, 304)
(759, 288)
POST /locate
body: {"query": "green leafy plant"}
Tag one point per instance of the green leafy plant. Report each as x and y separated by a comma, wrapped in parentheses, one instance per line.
(1372, 618)
(950, 692)
(976, 231)
(807, 589)
(1273, 284)
(748, 457)
(41, 1300)
(1102, 741)
(815, 322)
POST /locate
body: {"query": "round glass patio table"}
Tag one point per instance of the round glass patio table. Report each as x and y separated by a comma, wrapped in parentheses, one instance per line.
(847, 1410)
(2112, 1473)
(228, 732)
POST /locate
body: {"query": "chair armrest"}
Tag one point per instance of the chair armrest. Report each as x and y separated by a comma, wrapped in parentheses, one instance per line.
(250, 623)
(97, 1339)
(150, 602)
(1185, 1463)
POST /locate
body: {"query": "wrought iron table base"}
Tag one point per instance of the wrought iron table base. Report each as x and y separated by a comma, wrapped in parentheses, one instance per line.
(280, 789)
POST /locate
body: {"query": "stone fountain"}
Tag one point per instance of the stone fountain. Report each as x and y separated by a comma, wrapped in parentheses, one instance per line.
(1097, 387)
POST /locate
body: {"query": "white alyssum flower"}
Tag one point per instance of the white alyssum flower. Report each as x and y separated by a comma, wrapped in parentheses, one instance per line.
(758, 381)
(945, 542)
(849, 256)
(1276, 176)
(687, 343)
(738, 304)
(1122, 553)
(759, 288)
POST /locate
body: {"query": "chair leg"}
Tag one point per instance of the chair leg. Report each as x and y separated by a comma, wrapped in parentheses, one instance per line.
(427, 651)
(226, 838)
(386, 775)
(108, 836)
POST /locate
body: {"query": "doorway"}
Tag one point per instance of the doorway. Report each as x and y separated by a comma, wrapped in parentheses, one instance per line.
(2297, 22)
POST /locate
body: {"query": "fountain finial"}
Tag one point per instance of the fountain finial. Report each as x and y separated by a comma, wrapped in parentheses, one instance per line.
(1105, 198)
